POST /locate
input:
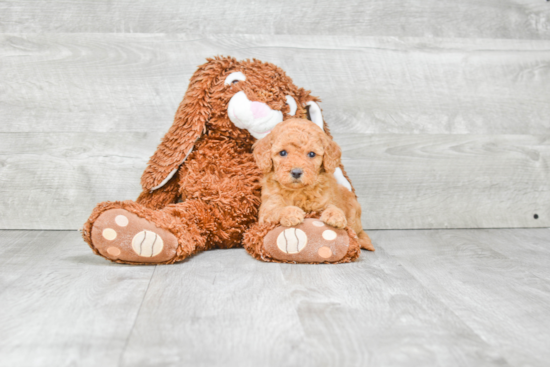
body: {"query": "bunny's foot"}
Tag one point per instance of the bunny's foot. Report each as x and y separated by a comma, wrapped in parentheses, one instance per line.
(310, 242)
(119, 235)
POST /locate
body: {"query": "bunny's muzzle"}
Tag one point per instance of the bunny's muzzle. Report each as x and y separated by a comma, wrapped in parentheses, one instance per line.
(256, 117)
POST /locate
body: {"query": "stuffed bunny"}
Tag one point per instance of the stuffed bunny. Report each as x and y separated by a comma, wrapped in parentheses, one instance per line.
(201, 188)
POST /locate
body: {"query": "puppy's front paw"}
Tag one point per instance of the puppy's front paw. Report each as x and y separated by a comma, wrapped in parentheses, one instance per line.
(292, 216)
(335, 217)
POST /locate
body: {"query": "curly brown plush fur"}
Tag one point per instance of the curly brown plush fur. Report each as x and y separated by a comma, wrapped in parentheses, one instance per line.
(202, 184)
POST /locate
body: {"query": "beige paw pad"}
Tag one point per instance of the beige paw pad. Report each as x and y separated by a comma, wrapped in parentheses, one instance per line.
(109, 234)
(292, 240)
(122, 236)
(325, 252)
(307, 243)
(318, 223)
(147, 243)
(329, 235)
(121, 220)
(113, 251)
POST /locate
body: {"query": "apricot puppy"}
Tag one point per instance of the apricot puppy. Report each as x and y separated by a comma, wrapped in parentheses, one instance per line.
(298, 160)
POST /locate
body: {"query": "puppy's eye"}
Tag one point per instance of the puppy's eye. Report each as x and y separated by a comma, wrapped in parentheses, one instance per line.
(311, 154)
(234, 82)
(282, 153)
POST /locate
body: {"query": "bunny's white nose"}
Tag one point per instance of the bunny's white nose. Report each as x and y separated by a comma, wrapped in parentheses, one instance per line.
(256, 117)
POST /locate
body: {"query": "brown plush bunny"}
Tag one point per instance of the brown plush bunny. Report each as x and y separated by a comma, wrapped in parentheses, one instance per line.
(201, 188)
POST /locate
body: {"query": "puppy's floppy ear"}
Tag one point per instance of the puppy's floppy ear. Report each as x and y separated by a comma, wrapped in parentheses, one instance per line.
(332, 155)
(189, 123)
(262, 154)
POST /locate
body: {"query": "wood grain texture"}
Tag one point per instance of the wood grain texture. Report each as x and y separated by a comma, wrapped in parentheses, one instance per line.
(53, 180)
(125, 82)
(374, 313)
(222, 308)
(497, 296)
(63, 306)
(530, 249)
(425, 18)
(424, 298)
(449, 181)
(16, 247)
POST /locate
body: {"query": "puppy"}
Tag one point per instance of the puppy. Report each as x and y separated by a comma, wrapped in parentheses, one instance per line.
(298, 160)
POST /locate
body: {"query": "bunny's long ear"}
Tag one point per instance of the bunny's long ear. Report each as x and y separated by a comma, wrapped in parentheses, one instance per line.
(315, 115)
(189, 123)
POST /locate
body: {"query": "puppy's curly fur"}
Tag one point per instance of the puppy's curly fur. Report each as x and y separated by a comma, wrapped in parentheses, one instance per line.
(298, 160)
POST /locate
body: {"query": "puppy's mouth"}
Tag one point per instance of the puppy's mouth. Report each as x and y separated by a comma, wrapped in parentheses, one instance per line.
(294, 183)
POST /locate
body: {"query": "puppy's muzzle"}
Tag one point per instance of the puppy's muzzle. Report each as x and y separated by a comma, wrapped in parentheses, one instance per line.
(296, 173)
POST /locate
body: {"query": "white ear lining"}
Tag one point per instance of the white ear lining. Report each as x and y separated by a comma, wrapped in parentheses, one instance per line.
(317, 118)
(173, 172)
(315, 114)
(292, 104)
(170, 175)
(341, 179)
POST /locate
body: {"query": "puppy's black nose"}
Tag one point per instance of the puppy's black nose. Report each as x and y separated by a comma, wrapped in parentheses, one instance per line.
(296, 172)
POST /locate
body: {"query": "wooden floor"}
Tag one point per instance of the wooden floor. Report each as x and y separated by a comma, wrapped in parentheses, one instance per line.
(424, 298)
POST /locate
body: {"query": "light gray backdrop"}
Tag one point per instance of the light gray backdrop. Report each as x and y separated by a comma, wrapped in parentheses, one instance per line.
(442, 108)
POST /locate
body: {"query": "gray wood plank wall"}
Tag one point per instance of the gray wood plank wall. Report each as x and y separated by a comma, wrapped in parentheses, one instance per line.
(442, 108)
(518, 19)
